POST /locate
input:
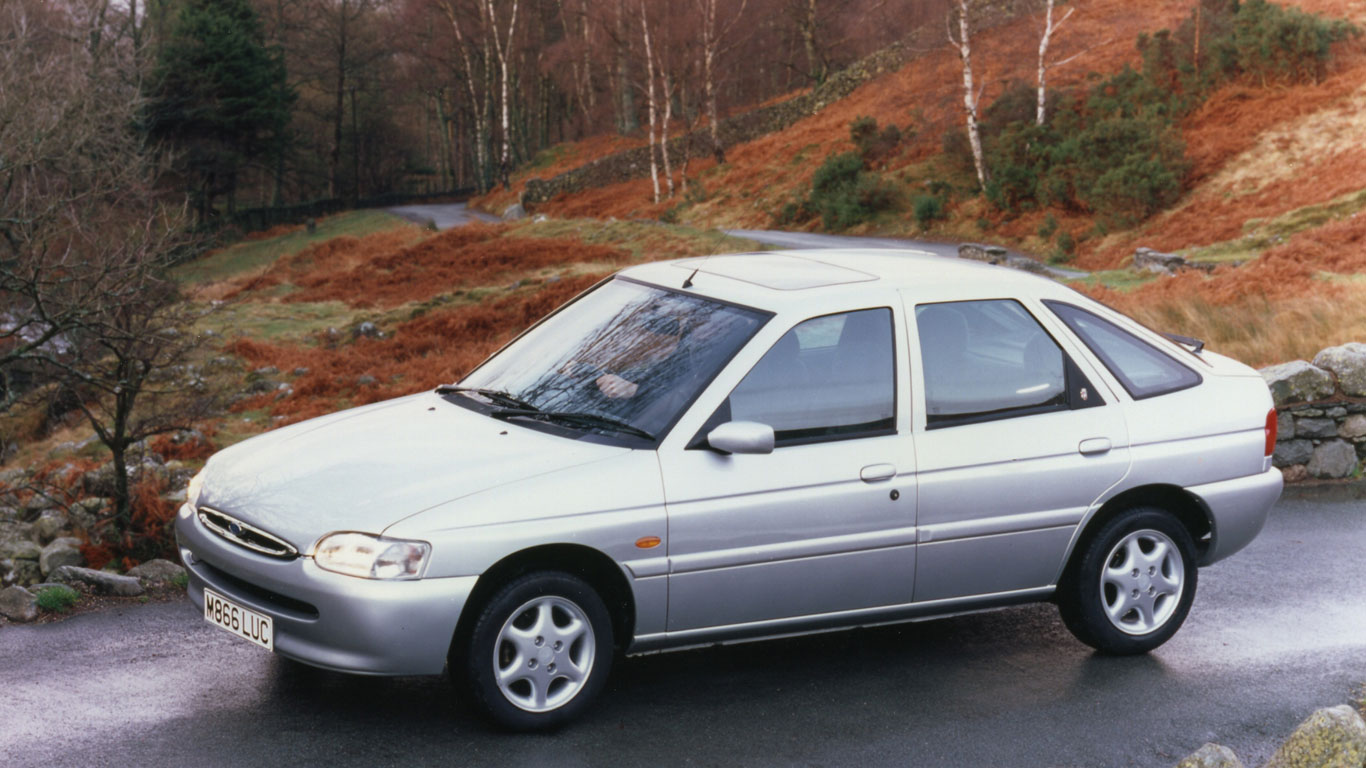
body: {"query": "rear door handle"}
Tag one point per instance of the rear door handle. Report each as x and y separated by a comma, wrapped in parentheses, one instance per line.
(1093, 446)
(874, 473)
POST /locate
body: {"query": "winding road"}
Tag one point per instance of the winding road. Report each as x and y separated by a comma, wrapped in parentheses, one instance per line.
(1276, 632)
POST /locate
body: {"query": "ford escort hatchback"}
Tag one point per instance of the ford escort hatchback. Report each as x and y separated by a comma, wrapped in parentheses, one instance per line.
(741, 446)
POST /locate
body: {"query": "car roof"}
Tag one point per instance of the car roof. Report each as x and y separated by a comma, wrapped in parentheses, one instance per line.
(779, 279)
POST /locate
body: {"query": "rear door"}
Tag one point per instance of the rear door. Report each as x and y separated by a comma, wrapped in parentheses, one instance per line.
(1015, 444)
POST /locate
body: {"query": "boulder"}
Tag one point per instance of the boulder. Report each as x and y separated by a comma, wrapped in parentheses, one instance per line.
(1285, 426)
(1290, 452)
(1211, 756)
(367, 329)
(156, 571)
(102, 582)
(16, 541)
(514, 212)
(20, 572)
(1333, 737)
(1333, 459)
(1353, 427)
(991, 254)
(60, 553)
(50, 525)
(1148, 260)
(1297, 381)
(1348, 362)
(1316, 428)
(18, 604)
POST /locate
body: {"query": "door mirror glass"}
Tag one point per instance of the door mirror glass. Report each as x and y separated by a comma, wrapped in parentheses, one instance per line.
(742, 437)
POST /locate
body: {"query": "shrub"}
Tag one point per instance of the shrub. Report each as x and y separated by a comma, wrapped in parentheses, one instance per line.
(1273, 42)
(843, 191)
(1048, 226)
(58, 598)
(1066, 243)
(874, 146)
(928, 208)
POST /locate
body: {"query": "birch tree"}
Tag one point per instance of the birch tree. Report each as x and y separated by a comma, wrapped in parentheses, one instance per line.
(479, 107)
(713, 47)
(971, 95)
(502, 47)
(650, 95)
(1050, 26)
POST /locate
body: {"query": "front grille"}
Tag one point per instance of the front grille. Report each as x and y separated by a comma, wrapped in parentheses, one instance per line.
(244, 535)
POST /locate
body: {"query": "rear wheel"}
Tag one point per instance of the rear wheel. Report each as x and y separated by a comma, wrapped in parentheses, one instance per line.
(1132, 585)
(539, 652)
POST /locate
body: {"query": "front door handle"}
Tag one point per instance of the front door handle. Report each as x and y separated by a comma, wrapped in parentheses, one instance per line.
(1094, 446)
(874, 473)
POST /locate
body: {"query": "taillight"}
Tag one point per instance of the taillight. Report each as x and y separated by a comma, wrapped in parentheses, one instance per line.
(1270, 432)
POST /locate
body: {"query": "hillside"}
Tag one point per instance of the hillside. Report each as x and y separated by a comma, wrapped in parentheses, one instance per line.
(1277, 174)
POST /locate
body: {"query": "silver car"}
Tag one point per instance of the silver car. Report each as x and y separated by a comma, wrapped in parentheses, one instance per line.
(741, 446)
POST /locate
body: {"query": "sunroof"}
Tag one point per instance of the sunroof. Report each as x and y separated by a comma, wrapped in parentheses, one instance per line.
(779, 271)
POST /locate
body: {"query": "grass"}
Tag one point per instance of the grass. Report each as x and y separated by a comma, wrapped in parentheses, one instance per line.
(57, 598)
(645, 241)
(251, 255)
(1261, 234)
(273, 320)
(1123, 280)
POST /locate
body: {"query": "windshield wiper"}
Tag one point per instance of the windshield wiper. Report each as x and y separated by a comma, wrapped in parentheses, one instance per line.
(497, 396)
(572, 418)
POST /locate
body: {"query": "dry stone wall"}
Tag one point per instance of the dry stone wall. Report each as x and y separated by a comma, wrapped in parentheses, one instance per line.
(1321, 407)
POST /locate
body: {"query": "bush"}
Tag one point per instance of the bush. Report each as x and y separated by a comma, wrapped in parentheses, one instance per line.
(843, 191)
(874, 146)
(58, 598)
(1048, 227)
(1067, 244)
(1273, 42)
(928, 208)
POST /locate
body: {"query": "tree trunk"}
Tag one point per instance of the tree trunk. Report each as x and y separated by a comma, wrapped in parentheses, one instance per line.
(338, 105)
(625, 102)
(664, 133)
(964, 46)
(650, 95)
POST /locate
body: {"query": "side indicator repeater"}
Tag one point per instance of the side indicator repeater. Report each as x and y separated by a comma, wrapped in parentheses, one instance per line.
(647, 542)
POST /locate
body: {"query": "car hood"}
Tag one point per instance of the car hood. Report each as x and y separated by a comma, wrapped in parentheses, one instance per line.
(367, 468)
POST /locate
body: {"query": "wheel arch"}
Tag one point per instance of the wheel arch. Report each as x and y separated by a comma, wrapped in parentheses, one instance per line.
(1188, 509)
(593, 566)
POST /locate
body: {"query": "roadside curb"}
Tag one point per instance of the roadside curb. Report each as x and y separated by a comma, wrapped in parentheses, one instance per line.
(1326, 490)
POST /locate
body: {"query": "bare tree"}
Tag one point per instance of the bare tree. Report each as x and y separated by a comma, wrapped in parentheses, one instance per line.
(713, 47)
(502, 46)
(961, 13)
(1050, 26)
(86, 304)
(650, 96)
(479, 107)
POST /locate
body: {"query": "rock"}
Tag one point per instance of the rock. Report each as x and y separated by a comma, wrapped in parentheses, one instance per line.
(991, 254)
(1148, 260)
(267, 370)
(1285, 426)
(50, 525)
(1353, 427)
(1296, 473)
(1336, 412)
(300, 371)
(100, 581)
(1306, 412)
(1211, 756)
(367, 329)
(514, 212)
(176, 497)
(16, 476)
(1290, 452)
(1316, 428)
(8, 514)
(366, 380)
(1333, 737)
(16, 541)
(22, 572)
(18, 604)
(60, 553)
(1297, 381)
(1349, 363)
(1333, 459)
(540, 218)
(156, 571)
(262, 385)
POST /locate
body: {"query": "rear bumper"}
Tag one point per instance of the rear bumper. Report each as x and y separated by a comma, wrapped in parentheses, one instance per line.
(1238, 510)
(327, 619)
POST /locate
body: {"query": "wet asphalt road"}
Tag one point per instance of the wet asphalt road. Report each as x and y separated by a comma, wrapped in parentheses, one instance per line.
(1277, 631)
(442, 215)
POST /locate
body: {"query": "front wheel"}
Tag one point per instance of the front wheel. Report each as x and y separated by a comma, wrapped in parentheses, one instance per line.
(539, 652)
(1132, 585)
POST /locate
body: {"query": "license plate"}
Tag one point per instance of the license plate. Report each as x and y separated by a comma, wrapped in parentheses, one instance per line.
(247, 624)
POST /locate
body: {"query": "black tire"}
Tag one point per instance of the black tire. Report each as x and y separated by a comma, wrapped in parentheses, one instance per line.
(507, 636)
(1145, 551)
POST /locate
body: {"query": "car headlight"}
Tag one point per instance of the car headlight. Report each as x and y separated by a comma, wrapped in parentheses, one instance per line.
(371, 557)
(195, 486)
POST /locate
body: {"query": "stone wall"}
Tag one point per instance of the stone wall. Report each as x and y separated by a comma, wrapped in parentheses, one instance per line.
(1321, 406)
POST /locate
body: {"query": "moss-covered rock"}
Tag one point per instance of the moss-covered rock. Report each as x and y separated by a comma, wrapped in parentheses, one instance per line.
(1333, 737)
(1211, 756)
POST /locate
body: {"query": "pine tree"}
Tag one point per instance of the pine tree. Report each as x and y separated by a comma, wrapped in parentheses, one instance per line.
(219, 98)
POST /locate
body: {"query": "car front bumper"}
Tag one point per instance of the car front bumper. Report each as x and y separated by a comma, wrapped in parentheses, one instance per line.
(328, 619)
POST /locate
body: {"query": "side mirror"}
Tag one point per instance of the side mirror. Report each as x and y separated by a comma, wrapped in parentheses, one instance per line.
(742, 437)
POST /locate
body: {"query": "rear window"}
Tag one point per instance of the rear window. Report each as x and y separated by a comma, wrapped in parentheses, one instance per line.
(1141, 368)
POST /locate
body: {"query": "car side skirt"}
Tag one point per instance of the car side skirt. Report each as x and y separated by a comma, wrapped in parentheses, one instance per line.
(831, 622)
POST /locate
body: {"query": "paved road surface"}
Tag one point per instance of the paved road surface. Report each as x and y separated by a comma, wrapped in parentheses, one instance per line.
(1276, 632)
(443, 215)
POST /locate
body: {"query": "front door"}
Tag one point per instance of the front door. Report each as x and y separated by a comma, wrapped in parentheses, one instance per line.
(826, 522)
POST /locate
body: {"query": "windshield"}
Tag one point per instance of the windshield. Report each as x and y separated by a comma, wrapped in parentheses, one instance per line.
(627, 352)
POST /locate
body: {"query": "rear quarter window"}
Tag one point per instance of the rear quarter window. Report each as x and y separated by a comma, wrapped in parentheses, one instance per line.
(1142, 369)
